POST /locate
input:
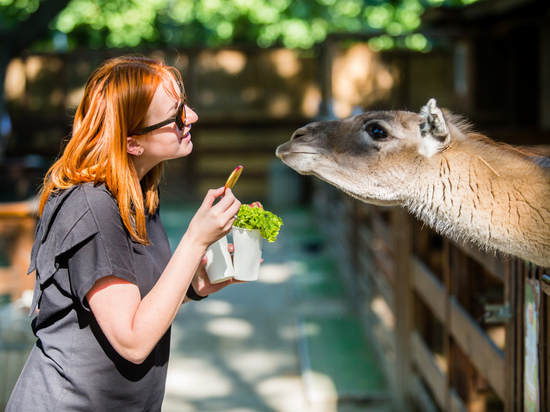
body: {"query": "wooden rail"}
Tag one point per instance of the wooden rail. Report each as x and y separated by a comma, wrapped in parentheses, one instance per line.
(448, 348)
(17, 226)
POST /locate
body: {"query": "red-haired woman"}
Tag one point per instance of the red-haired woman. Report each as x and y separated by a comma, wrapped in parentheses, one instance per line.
(108, 286)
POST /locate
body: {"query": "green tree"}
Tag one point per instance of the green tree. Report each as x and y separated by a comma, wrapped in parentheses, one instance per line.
(291, 23)
(67, 24)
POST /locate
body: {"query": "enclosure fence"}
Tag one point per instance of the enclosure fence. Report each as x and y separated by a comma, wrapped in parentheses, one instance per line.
(458, 329)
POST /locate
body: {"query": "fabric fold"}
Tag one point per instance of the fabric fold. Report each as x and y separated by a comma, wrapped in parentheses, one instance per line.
(59, 232)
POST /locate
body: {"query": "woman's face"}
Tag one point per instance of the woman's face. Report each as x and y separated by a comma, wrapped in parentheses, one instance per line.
(166, 142)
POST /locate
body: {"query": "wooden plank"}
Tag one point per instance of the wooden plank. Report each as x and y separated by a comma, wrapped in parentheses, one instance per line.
(385, 263)
(365, 235)
(384, 340)
(447, 341)
(512, 345)
(379, 252)
(383, 286)
(490, 262)
(404, 304)
(430, 289)
(382, 230)
(421, 396)
(456, 403)
(425, 362)
(488, 359)
(544, 336)
(26, 209)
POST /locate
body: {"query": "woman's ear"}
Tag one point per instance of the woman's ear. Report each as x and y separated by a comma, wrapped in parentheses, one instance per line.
(133, 147)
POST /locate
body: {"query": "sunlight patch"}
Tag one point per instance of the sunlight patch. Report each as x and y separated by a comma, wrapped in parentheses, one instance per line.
(215, 307)
(274, 273)
(230, 328)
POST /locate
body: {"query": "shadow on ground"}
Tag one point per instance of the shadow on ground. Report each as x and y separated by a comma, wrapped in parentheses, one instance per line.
(276, 344)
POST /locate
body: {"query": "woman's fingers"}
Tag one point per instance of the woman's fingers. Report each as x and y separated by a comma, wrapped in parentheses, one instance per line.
(211, 196)
(229, 206)
(227, 200)
(214, 220)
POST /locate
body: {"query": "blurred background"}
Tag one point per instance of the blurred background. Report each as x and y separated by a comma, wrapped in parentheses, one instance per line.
(256, 70)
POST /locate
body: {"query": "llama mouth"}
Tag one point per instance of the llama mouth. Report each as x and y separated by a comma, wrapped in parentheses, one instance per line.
(287, 155)
(282, 151)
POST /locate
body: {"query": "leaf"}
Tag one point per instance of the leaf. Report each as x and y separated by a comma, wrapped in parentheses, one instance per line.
(254, 217)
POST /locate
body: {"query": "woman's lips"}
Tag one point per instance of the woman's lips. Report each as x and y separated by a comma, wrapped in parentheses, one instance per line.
(186, 136)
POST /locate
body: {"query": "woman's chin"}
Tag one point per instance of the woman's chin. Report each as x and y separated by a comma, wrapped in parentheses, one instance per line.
(187, 149)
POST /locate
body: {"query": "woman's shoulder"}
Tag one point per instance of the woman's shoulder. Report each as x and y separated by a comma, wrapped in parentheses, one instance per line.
(70, 204)
(96, 195)
(83, 196)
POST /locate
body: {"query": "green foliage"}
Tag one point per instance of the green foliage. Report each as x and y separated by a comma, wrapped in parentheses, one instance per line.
(252, 217)
(13, 11)
(291, 23)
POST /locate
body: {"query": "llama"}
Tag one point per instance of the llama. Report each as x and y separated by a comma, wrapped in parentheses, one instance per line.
(461, 183)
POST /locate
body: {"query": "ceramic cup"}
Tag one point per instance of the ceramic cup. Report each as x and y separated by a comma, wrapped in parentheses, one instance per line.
(248, 253)
(219, 267)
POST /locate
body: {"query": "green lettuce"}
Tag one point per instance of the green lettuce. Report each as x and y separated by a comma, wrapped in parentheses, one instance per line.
(254, 216)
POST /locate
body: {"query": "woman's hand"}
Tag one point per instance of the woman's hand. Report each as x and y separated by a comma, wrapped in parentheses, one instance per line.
(212, 222)
(202, 284)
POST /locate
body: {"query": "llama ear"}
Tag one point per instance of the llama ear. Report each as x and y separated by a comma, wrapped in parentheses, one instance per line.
(433, 129)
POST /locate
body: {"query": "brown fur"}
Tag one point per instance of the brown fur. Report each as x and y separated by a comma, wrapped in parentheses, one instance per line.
(433, 163)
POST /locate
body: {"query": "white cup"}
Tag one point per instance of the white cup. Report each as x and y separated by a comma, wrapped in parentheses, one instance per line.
(219, 267)
(248, 253)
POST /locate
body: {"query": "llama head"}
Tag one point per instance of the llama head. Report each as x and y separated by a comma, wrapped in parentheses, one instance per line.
(373, 156)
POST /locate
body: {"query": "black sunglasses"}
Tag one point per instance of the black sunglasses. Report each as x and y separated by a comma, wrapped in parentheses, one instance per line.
(179, 118)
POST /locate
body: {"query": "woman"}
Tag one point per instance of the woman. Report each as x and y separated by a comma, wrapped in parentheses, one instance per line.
(108, 287)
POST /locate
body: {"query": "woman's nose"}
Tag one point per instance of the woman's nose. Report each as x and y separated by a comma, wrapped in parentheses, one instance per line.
(190, 115)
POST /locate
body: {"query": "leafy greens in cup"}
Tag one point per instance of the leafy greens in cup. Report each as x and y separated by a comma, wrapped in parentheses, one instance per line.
(254, 216)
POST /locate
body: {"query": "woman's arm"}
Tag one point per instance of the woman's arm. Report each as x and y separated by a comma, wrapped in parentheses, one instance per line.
(133, 325)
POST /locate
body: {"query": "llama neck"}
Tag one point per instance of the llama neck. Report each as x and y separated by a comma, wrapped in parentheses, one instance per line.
(492, 197)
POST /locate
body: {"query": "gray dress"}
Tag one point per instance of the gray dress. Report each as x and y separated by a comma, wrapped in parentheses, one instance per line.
(81, 238)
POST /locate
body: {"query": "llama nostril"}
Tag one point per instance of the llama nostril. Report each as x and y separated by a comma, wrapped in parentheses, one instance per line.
(299, 133)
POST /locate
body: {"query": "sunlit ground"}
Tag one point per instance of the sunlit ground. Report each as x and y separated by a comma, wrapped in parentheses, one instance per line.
(283, 343)
(237, 351)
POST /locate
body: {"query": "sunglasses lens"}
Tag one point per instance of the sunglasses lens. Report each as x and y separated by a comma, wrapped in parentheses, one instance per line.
(181, 116)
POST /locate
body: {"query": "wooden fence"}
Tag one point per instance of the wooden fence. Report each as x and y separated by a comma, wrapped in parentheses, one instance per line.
(451, 322)
(17, 227)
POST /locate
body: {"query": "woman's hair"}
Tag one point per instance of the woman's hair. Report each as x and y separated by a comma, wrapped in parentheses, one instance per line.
(116, 99)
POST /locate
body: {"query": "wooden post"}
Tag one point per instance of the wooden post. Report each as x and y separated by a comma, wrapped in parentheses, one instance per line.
(514, 335)
(404, 305)
(447, 344)
(17, 224)
(544, 345)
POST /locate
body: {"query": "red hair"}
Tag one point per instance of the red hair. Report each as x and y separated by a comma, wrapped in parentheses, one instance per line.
(116, 99)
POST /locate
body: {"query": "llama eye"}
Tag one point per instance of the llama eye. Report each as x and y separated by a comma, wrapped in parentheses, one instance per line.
(376, 132)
